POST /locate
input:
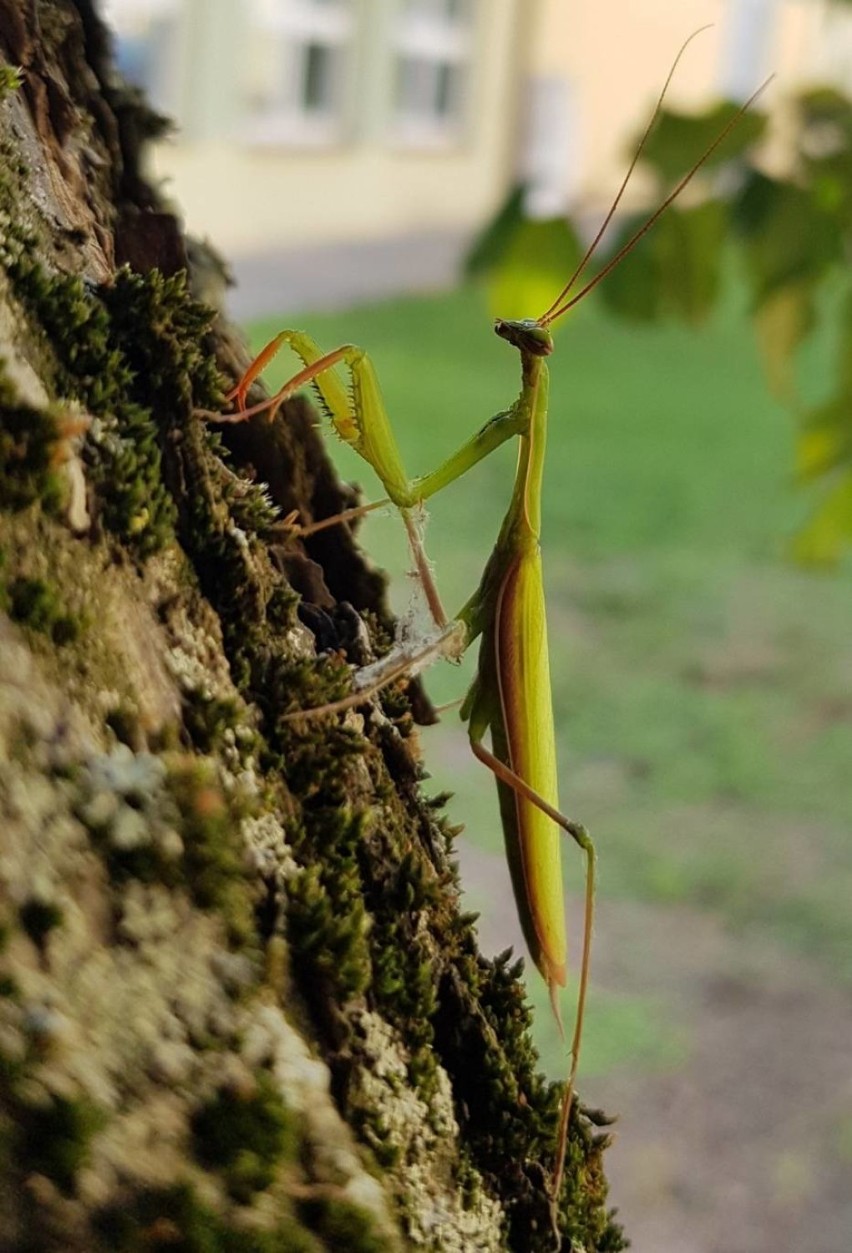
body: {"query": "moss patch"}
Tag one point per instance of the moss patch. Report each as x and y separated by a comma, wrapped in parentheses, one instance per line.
(176, 1220)
(169, 820)
(130, 353)
(214, 858)
(29, 442)
(37, 604)
(246, 1135)
(40, 917)
(11, 77)
(343, 1225)
(53, 1137)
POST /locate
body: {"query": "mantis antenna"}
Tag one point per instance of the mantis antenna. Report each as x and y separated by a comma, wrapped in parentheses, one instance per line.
(590, 251)
(556, 310)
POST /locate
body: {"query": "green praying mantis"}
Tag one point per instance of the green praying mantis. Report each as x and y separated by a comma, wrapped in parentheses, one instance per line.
(510, 697)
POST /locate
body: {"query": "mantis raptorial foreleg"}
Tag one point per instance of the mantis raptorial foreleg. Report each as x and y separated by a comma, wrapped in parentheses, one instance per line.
(359, 417)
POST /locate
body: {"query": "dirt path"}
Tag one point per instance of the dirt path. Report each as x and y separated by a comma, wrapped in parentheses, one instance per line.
(746, 1146)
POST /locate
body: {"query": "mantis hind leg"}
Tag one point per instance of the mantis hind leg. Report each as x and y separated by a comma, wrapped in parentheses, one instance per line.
(406, 662)
(581, 837)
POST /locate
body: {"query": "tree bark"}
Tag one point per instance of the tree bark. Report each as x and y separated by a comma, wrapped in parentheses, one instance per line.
(239, 1006)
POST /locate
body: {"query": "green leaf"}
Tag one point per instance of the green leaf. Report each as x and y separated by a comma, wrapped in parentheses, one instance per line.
(824, 149)
(788, 238)
(539, 259)
(782, 321)
(678, 134)
(492, 243)
(829, 176)
(844, 346)
(673, 269)
(822, 541)
(825, 441)
(824, 450)
(826, 110)
(634, 289)
(689, 247)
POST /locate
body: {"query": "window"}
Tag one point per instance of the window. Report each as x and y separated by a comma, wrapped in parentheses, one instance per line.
(750, 29)
(832, 59)
(549, 165)
(433, 50)
(143, 35)
(298, 63)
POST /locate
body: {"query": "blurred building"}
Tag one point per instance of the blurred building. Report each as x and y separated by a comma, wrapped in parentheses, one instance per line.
(336, 149)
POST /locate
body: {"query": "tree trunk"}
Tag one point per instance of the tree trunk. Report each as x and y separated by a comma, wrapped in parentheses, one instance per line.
(239, 1007)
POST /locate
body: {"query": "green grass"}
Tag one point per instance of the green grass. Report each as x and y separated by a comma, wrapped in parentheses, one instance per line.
(702, 684)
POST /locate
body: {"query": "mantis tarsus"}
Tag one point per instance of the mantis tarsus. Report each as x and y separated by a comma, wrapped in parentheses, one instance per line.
(510, 696)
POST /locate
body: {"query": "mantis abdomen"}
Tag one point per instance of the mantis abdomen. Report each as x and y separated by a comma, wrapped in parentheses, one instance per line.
(523, 738)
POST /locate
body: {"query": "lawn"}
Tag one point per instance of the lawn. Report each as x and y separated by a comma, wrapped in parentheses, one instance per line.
(702, 683)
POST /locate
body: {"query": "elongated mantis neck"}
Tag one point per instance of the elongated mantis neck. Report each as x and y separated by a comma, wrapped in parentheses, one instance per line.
(524, 516)
(534, 342)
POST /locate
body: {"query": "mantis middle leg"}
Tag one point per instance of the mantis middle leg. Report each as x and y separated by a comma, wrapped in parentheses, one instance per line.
(581, 836)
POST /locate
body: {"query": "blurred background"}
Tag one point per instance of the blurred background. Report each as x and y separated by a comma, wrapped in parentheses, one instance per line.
(397, 172)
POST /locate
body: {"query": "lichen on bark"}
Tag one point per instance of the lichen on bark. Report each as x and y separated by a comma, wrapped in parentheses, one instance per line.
(240, 1008)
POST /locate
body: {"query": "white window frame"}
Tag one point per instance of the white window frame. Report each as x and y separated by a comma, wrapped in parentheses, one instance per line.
(297, 23)
(444, 41)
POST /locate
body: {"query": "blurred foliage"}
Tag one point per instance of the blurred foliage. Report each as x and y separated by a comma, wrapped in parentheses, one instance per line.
(794, 236)
(534, 253)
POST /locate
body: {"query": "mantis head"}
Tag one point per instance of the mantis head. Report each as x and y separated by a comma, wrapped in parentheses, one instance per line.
(528, 335)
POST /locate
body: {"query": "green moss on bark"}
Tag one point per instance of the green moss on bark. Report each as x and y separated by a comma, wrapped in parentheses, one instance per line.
(246, 1135)
(370, 910)
(30, 439)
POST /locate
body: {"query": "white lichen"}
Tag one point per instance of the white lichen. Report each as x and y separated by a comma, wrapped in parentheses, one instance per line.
(426, 1137)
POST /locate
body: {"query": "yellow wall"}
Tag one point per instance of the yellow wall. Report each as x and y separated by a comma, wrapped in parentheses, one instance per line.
(248, 197)
(614, 55)
(617, 54)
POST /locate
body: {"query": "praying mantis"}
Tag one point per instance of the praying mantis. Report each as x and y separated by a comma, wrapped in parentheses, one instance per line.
(510, 697)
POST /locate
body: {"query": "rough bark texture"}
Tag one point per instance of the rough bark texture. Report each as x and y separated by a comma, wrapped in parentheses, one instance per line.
(239, 1007)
